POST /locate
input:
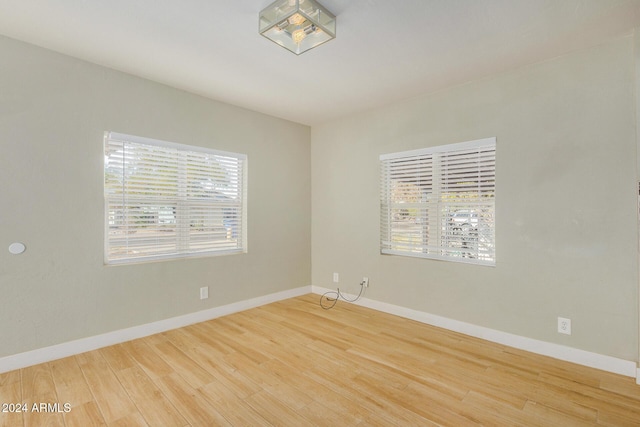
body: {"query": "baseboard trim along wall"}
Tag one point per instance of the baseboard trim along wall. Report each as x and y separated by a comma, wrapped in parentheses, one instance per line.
(54, 352)
(569, 354)
(557, 351)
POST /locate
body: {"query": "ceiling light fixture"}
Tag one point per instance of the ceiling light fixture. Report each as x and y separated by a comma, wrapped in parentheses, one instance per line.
(297, 25)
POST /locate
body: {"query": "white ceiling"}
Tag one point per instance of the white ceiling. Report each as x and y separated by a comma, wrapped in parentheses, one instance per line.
(385, 50)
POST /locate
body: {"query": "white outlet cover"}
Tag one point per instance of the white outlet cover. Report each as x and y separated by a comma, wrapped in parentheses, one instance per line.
(204, 292)
(564, 326)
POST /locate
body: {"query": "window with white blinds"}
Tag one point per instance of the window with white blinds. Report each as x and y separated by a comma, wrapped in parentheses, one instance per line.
(439, 202)
(165, 200)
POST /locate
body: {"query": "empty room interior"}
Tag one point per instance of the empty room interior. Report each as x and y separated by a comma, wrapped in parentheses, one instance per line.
(332, 212)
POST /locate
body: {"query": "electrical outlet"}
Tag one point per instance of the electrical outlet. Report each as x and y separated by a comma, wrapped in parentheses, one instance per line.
(564, 326)
(336, 277)
(204, 292)
(365, 282)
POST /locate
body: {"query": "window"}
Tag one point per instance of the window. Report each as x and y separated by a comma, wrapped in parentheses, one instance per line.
(439, 202)
(166, 200)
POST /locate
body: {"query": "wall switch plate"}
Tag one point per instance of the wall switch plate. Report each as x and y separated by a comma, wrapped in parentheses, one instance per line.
(564, 326)
(336, 277)
(204, 292)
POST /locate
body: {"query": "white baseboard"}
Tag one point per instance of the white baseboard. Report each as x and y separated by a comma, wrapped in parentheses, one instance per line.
(557, 351)
(47, 354)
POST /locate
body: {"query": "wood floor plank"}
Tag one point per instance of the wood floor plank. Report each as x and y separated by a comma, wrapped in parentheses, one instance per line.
(270, 330)
(9, 377)
(275, 411)
(69, 381)
(331, 392)
(489, 411)
(241, 344)
(550, 417)
(351, 397)
(564, 401)
(131, 420)
(11, 395)
(623, 386)
(612, 419)
(226, 378)
(321, 415)
(84, 415)
(149, 360)
(111, 398)
(190, 404)
(38, 384)
(154, 407)
(601, 400)
(205, 333)
(292, 396)
(182, 364)
(40, 396)
(238, 413)
(502, 386)
(117, 357)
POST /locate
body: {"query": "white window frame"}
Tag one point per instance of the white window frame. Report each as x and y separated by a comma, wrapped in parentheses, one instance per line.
(164, 200)
(439, 202)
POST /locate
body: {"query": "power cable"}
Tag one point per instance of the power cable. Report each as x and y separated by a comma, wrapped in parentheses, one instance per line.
(338, 295)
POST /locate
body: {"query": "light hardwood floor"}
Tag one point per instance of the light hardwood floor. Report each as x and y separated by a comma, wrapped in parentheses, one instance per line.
(292, 363)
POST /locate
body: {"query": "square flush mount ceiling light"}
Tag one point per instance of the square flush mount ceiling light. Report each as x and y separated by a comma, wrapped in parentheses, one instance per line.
(297, 25)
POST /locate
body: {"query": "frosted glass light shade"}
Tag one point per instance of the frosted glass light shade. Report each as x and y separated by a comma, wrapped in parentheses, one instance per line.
(297, 25)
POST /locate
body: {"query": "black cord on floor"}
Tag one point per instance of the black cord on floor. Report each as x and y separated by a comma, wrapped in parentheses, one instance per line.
(338, 295)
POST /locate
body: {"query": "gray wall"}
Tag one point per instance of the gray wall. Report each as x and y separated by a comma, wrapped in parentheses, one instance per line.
(53, 112)
(567, 233)
(566, 201)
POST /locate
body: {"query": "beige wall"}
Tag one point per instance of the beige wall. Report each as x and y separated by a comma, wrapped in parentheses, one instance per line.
(567, 231)
(566, 201)
(53, 112)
